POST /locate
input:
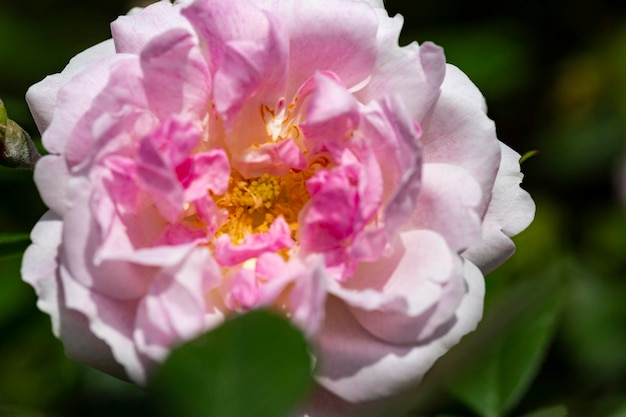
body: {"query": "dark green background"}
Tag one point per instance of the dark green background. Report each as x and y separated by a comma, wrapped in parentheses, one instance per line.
(554, 77)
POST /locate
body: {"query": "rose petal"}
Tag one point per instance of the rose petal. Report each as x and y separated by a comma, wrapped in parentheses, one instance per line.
(331, 114)
(42, 97)
(458, 132)
(132, 33)
(413, 72)
(175, 307)
(277, 238)
(510, 211)
(109, 320)
(247, 52)
(448, 204)
(355, 362)
(176, 76)
(51, 176)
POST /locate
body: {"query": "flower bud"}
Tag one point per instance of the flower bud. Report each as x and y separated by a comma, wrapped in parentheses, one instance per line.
(16, 148)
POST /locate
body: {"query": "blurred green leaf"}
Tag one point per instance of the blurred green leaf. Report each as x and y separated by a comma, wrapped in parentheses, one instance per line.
(509, 346)
(35, 372)
(256, 365)
(448, 415)
(16, 297)
(11, 244)
(620, 412)
(19, 412)
(556, 411)
(593, 325)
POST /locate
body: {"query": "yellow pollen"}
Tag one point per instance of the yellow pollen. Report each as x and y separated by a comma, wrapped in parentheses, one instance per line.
(253, 204)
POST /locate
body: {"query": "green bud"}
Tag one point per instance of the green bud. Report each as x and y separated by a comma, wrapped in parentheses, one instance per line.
(17, 150)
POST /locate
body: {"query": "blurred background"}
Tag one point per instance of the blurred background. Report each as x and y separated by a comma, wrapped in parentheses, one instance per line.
(554, 77)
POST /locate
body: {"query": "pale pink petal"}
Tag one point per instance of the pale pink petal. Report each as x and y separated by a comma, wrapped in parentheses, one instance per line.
(120, 181)
(39, 267)
(133, 32)
(331, 114)
(175, 138)
(308, 297)
(82, 237)
(370, 189)
(424, 274)
(247, 52)
(355, 362)
(174, 309)
(510, 211)
(101, 117)
(109, 320)
(209, 214)
(76, 97)
(459, 132)
(271, 158)
(393, 138)
(159, 180)
(244, 292)
(412, 72)
(156, 171)
(51, 176)
(42, 97)
(176, 76)
(204, 172)
(319, 33)
(448, 204)
(275, 274)
(176, 234)
(246, 69)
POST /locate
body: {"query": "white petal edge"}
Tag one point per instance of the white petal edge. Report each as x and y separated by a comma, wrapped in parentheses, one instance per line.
(42, 96)
(510, 211)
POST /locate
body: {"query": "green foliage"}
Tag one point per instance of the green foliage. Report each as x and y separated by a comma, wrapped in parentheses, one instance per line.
(556, 411)
(509, 346)
(13, 243)
(256, 365)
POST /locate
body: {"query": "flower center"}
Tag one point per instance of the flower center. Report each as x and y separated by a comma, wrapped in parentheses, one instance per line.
(253, 204)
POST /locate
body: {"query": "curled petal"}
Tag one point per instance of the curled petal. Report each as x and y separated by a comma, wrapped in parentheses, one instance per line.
(271, 158)
(247, 52)
(510, 211)
(42, 97)
(175, 308)
(133, 32)
(277, 238)
(207, 171)
(332, 113)
(355, 361)
(109, 320)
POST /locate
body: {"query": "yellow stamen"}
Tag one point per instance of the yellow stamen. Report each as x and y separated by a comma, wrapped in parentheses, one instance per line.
(253, 204)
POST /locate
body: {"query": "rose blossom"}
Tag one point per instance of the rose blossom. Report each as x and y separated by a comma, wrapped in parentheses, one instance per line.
(220, 156)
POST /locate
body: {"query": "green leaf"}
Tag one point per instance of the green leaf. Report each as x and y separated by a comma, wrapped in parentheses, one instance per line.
(448, 415)
(256, 364)
(509, 346)
(12, 244)
(556, 411)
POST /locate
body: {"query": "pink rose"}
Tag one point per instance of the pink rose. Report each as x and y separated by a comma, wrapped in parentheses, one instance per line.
(219, 156)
